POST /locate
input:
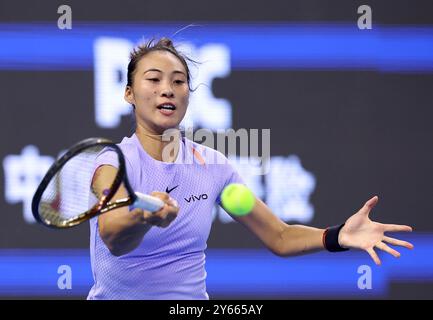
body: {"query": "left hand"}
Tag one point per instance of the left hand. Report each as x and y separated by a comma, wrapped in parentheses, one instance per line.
(362, 233)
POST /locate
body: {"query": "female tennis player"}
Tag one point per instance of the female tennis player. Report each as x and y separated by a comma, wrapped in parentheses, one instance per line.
(137, 254)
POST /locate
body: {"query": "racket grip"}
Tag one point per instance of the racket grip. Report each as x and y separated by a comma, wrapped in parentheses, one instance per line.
(147, 202)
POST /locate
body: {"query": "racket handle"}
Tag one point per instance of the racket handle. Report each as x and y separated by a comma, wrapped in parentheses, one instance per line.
(147, 202)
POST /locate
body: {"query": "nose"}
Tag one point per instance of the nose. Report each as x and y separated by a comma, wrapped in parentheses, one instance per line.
(167, 91)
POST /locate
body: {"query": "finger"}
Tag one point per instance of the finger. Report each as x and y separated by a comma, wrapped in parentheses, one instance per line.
(163, 212)
(370, 204)
(173, 209)
(166, 210)
(146, 214)
(154, 220)
(168, 220)
(172, 202)
(397, 242)
(386, 248)
(139, 214)
(167, 215)
(162, 195)
(374, 256)
(159, 217)
(397, 228)
(137, 211)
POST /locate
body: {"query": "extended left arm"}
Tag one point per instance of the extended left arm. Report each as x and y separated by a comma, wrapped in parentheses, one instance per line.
(290, 240)
(279, 237)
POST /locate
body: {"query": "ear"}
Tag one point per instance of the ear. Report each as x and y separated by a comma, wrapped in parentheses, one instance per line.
(129, 95)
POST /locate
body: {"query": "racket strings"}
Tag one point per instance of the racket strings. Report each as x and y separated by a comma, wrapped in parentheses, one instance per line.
(69, 195)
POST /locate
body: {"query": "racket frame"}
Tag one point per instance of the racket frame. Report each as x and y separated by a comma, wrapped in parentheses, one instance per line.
(103, 204)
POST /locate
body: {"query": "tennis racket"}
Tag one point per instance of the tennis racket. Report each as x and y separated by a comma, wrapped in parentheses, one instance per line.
(65, 198)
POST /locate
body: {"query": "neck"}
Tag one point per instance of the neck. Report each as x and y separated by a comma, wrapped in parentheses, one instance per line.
(161, 147)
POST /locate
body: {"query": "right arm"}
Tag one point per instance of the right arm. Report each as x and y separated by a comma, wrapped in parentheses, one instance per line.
(122, 230)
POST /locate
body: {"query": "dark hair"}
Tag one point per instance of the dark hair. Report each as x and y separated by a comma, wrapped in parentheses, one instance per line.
(164, 44)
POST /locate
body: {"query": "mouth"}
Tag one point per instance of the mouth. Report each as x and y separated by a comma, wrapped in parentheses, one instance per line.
(166, 106)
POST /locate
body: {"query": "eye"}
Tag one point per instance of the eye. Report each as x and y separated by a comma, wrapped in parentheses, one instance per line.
(179, 81)
(153, 79)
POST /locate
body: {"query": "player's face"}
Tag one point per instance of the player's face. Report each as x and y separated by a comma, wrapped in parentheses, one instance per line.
(159, 91)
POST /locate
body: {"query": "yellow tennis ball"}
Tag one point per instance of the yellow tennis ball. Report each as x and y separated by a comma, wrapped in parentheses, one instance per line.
(237, 199)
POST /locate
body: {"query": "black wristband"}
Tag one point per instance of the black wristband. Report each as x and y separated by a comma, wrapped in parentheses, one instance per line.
(330, 239)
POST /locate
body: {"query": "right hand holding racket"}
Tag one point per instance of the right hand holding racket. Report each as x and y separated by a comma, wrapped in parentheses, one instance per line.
(163, 217)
